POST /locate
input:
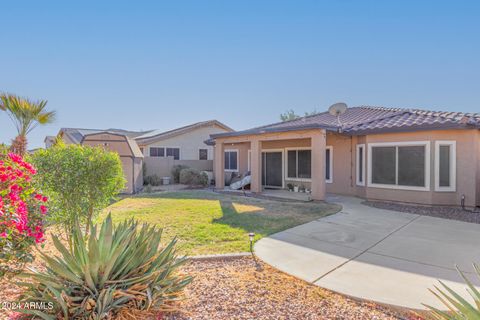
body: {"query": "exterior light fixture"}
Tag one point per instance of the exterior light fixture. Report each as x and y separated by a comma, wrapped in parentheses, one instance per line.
(251, 236)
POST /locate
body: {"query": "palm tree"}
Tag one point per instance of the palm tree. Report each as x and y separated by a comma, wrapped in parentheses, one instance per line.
(26, 115)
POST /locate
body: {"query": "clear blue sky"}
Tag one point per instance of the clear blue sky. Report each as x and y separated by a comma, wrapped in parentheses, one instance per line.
(144, 65)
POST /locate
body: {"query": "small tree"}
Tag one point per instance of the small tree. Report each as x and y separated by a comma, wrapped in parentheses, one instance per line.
(289, 115)
(80, 180)
(26, 115)
(22, 212)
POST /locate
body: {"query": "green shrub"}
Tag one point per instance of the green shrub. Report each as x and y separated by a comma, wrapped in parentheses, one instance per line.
(176, 172)
(117, 269)
(79, 180)
(148, 189)
(193, 177)
(153, 180)
(458, 307)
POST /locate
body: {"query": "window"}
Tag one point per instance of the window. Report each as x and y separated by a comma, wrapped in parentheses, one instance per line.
(299, 164)
(329, 164)
(231, 160)
(173, 152)
(157, 152)
(445, 166)
(203, 154)
(402, 165)
(360, 164)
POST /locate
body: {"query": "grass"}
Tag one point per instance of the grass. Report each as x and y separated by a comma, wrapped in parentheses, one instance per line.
(210, 223)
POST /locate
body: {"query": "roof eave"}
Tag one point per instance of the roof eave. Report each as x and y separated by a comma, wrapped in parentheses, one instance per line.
(273, 130)
(436, 126)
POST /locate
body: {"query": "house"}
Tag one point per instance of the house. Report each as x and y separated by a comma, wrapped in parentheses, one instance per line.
(394, 154)
(154, 151)
(182, 146)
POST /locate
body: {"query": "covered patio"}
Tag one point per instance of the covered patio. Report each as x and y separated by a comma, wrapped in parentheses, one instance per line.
(275, 161)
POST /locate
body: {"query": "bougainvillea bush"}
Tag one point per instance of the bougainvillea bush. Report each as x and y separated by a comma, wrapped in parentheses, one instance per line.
(22, 213)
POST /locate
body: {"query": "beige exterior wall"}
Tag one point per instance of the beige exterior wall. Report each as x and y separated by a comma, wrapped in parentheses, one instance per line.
(344, 164)
(132, 166)
(189, 143)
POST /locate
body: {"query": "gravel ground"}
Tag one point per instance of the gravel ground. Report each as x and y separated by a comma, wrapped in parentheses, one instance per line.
(241, 289)
(452, 213)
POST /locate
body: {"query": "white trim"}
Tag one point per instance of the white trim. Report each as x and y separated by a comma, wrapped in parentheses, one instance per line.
(400, 144)
(357, 165)
(286, 164)
(283, 166)
(453, 166)
(331, 164)
(238, 164)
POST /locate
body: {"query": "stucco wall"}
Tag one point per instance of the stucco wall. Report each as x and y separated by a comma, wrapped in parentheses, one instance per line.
(478, 167)
(189, 143)
(467, 168)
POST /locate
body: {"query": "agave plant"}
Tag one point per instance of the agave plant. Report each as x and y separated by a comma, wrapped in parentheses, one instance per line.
(119, 267)
(458, 307)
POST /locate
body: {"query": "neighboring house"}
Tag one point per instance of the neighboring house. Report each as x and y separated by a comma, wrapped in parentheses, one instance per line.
(181, 146)
(158, 150)
(404, 155)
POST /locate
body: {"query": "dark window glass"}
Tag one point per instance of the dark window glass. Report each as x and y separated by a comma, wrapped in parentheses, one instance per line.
(360, 164)
(444, 166)
(157, 152)
(231, 160)
(173, 152)
(383, 165)
(327, 164)
(411, 166)
(304, 164)
(203, 154)
(292, 164)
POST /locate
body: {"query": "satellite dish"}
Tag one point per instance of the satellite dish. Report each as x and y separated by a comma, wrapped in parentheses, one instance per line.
(337, 109)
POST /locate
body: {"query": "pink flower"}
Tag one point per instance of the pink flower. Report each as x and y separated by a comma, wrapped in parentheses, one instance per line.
(3, 234)
(38, 196)
(43, 209)
(44, 199)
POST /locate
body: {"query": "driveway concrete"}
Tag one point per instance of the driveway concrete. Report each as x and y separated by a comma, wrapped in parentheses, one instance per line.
(375, 254)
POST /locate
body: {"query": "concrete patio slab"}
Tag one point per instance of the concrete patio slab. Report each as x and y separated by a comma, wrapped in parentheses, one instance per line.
(375, 254)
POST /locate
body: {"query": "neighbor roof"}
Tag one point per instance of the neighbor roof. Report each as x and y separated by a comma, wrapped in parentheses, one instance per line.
(156, 135)
(369, 119)
(76, 134)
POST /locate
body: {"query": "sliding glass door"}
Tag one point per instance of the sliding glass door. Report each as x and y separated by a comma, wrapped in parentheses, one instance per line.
(272, 169)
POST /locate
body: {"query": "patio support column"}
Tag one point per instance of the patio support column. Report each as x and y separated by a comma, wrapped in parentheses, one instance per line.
(256, 165)
(219, 168)
(319, 143)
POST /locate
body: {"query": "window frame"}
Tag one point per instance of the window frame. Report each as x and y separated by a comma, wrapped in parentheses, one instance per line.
(179, 152)
(200, 149)
(357, 165)
(238, 164)
(307, 179)
(453, 165)
(330, 164)
(150, 152)
(395, 186)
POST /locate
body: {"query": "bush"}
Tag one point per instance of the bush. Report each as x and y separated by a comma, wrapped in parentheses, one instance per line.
(176, 172)
(117, 270)
(80, 180)
(154, 180)
(22, 213)
(193, 177)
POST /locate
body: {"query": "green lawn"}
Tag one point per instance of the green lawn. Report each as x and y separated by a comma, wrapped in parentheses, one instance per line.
(210, 223)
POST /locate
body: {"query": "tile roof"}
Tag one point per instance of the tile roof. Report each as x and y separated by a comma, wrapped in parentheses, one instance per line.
(369, 119)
